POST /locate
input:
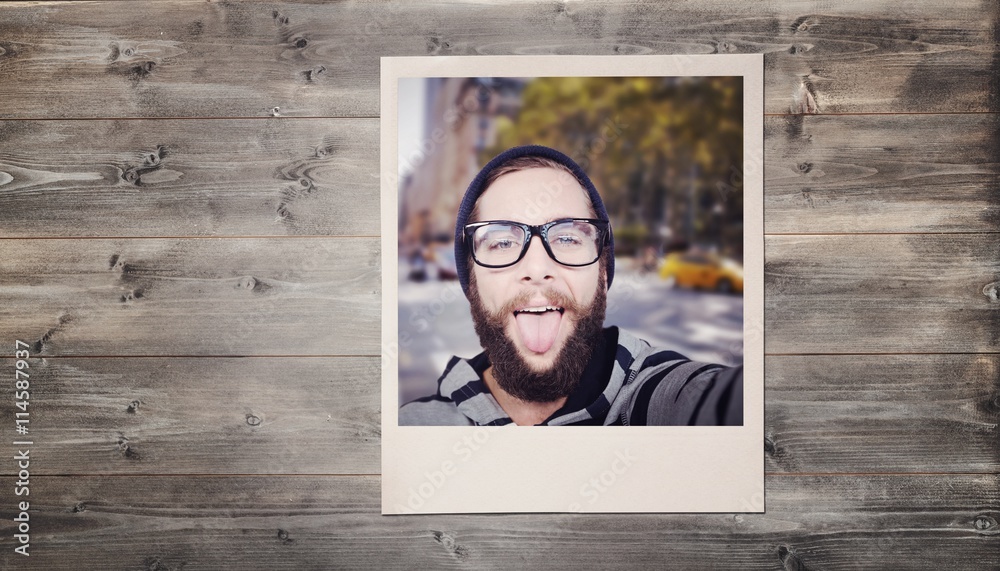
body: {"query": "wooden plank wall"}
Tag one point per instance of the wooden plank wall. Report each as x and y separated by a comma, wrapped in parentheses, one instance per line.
(189, 242)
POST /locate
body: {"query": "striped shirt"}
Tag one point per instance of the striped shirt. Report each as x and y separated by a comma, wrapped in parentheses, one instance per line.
(626, 382)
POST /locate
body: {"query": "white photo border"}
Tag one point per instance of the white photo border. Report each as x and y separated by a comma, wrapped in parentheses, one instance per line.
(584, 469)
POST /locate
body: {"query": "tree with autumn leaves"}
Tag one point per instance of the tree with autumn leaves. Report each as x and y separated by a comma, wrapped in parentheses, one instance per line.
(665, 152)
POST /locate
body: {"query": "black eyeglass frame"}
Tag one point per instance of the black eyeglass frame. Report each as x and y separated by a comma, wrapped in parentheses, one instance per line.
(542, 231)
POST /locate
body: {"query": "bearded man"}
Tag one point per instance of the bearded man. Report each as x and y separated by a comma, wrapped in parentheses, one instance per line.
(534, 252)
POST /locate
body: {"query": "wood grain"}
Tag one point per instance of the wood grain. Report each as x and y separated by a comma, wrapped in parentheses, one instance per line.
(252, 59)
(231, 297)
(882, 380)
(824, 414)
(203, 415)
(831, 522)
(884, 413)
(824, 294)
(930, 293)
(189, 178)
(882, 173)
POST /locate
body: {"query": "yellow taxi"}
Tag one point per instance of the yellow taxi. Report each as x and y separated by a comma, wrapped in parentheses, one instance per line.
(703, 271)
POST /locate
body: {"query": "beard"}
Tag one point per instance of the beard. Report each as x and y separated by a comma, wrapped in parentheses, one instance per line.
(512, 372)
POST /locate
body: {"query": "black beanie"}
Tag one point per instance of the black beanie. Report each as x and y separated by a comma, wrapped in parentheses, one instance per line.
(476, 189)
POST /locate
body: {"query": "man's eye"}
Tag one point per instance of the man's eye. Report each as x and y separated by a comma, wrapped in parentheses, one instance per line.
(503, 244)
(567, 240)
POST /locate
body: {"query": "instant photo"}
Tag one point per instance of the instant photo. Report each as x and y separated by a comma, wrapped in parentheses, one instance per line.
(572, 280)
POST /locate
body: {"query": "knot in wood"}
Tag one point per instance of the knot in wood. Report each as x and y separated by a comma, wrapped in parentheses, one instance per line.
(805, 167)
(283, 536)
(789, 559)
(448, 542)
(801, 24)
(128, 52)
(275, 111)
(992, 291)
(131, 296)
(142, 70)
(769, 447)
(131, 176)
(311, 74)
(248, 282)
(133, 407)
(126, 449)
(301, 43)
(986, 525)
(804, 98)
(322, 152)
(253, 420)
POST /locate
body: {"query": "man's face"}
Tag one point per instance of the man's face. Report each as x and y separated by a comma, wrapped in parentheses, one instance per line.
(515, 297)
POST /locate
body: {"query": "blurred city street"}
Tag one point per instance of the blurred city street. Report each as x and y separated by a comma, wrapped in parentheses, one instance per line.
(434, 323)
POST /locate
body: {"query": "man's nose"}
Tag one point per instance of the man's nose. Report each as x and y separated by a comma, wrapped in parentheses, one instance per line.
(537, 266)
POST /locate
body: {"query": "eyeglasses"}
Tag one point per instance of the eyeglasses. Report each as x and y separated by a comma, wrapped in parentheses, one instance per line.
(569, 241)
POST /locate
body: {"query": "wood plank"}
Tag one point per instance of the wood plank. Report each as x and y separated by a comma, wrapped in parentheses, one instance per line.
(203, 415)
(882, 173)
(825, 294)
(320, 177)
(885, 413)
(920, 293)
(189, 178)
(223, 297)
(829, 414)
(829, 522)
(252, 59)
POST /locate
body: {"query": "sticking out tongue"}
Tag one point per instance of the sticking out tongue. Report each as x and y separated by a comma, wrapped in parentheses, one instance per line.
(538, 330)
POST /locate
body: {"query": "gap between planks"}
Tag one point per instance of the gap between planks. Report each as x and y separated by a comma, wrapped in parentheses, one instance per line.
(375, 356)
(265, 237)
(766, 473)
(371, 236)
(857, 354)
(929, 233)
(332, 117)
(347, 356)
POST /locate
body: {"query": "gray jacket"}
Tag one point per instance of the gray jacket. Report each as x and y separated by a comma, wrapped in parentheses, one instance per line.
(626, 382)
